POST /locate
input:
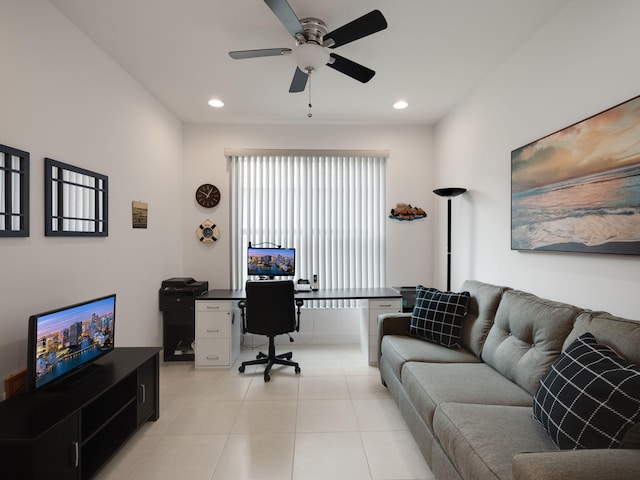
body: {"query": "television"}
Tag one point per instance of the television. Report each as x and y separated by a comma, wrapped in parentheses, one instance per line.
(64, 341)
(271, 262)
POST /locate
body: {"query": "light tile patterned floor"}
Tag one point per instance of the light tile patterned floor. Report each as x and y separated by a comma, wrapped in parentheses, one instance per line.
(333, 421)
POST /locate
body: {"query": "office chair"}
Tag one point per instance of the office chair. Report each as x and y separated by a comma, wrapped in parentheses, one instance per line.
(269, 310)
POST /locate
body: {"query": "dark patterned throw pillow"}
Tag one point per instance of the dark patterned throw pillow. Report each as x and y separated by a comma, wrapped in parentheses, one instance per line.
(590, 398)
(437, 316)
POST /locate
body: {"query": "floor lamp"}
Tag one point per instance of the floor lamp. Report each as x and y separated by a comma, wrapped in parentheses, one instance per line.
(449, 193)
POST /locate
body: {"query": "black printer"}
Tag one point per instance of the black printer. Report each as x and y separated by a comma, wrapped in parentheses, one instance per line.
(180, 292)
(177, 302)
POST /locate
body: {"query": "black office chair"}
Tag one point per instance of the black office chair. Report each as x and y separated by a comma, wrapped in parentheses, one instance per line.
(269, 309)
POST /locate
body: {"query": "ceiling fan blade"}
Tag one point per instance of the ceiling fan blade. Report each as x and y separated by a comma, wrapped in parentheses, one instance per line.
(264, 52)
(367, 24)
(286, 15)
(351, 68)
(299, 82)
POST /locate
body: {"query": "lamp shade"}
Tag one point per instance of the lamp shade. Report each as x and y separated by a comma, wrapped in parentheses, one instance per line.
(310, 57)
(449, 192)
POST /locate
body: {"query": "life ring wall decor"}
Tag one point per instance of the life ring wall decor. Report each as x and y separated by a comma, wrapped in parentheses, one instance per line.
(207, 232)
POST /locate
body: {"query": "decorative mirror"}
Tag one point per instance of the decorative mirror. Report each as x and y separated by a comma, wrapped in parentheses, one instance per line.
(76, 201)
(14, 192)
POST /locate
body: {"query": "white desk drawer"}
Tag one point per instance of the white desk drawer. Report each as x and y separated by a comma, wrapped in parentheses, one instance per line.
(212, 352)
(213, 325)
(209, 306)
(391, 304)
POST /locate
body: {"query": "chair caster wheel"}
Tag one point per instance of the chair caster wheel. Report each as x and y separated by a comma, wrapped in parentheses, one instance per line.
(241, 369)
(297, 369)
(260, 355)
(267, 378)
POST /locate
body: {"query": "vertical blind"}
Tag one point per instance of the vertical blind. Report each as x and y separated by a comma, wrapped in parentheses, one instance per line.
(330, 208)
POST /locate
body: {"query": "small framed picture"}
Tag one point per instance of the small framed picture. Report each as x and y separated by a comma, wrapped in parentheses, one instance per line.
(139, 214)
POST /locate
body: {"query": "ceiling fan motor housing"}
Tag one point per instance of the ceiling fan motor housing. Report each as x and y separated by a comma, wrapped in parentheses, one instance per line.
(314, 31)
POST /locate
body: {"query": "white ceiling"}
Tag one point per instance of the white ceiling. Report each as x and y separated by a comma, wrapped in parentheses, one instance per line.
(432, 54)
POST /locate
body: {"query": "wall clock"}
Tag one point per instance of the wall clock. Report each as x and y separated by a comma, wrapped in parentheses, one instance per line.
(207, 232)
(208, 195)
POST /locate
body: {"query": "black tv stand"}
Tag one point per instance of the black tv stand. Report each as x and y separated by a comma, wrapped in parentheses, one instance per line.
(71, 429)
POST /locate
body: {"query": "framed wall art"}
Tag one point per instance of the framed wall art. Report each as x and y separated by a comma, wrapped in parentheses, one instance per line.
(14, 192)
(578, 189)
(76, 201)
(139, 214)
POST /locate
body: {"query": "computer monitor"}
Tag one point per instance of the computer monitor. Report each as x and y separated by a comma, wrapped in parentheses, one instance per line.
(271, 262)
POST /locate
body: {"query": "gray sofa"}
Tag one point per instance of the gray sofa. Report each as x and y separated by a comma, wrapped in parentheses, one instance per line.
(471, 409)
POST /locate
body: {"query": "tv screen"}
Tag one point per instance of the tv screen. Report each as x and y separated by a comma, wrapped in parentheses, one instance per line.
(271, 262)
(63, 341)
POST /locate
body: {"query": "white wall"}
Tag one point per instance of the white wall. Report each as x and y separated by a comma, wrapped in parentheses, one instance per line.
(409, 180)
(62, 97)
(582, 62)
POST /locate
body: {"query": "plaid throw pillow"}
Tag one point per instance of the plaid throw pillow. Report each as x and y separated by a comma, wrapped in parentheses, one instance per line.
(589, 398)
(437, 316)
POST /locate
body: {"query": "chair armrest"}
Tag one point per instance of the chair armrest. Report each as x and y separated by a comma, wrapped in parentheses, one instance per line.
(242, 305)
(618, 463)
(299, 303)
(392, 324)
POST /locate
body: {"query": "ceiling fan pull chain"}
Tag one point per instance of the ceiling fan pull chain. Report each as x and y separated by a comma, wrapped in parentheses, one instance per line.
(309, 115)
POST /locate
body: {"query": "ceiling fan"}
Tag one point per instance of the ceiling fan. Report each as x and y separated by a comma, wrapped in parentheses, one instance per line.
(313, 41)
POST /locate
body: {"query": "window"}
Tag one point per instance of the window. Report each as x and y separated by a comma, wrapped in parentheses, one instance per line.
(327, 205)
(14, 192)
(75, 201)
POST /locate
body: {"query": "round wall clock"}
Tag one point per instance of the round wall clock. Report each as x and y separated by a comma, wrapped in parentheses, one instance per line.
(208, 195)
(207, 232)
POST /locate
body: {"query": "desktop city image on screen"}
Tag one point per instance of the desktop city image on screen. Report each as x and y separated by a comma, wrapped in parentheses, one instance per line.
(271, 262)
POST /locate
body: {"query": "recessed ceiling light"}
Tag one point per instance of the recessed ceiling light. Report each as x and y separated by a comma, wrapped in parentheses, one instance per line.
(217, 103)
(400, 104)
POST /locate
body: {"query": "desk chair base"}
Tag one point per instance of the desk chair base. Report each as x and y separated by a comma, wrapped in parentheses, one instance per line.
(270, 360)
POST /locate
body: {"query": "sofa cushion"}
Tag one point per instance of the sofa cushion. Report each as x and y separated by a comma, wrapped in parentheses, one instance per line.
(429, 384)
(527, 337)
(437, 316)
(481, 311)
(398, 350)
(481, 440)
(621, 334)
(590, 398)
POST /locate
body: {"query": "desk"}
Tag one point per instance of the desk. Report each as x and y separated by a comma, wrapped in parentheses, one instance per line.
(219, 328)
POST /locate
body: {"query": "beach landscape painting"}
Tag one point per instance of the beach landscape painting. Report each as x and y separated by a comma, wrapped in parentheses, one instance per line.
(578, 190)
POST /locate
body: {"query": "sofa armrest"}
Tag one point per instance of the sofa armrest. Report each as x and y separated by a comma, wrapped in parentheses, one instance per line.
(621, 464)
(392, 324)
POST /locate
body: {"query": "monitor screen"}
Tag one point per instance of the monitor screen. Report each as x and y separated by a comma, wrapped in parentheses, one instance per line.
(64, 340)
(271, 262)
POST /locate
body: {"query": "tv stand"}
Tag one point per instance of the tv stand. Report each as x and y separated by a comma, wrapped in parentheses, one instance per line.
(70, 432)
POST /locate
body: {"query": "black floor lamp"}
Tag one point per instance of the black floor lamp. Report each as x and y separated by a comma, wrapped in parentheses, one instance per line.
(449, 193)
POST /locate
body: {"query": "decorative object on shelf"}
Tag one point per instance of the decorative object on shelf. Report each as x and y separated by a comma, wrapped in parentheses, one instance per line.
(76, 201)
(208, 195)
(207, 232)
(139, 214)
(404, 211)
(14, 192)
(449, 193)
(578, 189)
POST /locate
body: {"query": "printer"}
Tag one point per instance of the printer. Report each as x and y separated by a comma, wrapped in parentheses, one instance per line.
(179, 293)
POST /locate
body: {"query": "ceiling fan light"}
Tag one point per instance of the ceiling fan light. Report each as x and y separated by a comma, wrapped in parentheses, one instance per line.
(310, 57)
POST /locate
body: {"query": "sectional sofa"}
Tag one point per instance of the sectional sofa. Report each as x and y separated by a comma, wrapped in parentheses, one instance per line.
(478, 411)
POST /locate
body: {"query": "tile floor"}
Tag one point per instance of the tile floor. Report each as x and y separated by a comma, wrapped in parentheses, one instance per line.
(332, 421)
